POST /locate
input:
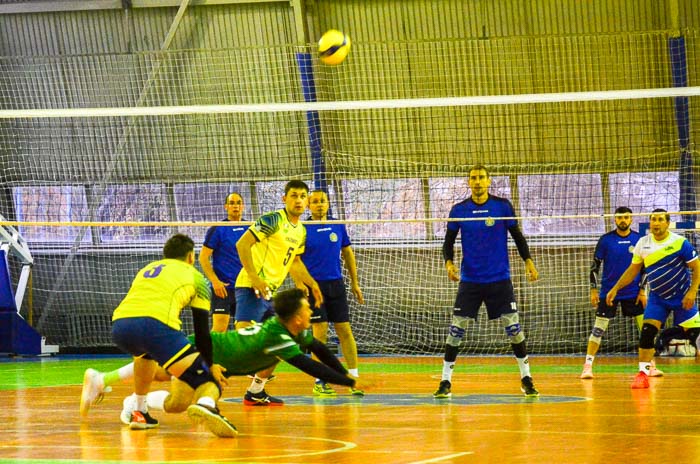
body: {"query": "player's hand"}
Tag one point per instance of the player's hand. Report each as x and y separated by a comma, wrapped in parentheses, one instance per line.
(452, 272)
(531, 271)
(689, 299)
(318, 296)
(610, 297)
(363, 384)
(217, 371)
(642, 299)
(219, 288)
(262, 290)
(358, 293)
(595, 298)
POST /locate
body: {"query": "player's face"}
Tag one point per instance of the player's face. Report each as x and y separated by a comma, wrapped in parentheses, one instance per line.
(318, 204)
(234, 207)
(295, 201)
(623, 221)
(658, 225)
(304, 314)
(479, 182)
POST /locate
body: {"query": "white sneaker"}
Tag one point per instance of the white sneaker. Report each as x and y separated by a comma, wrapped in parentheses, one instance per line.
(587, 371)
(654, 372)
(128, 406)
(93, 390)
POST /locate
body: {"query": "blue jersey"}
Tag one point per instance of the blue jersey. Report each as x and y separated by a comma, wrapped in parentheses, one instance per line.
(666, 264)
(616, 254)
(322, 254)
(484, 242)
(225, 261)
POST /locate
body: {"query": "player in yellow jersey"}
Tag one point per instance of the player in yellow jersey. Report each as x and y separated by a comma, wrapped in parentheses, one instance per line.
(147, 325)
(269, 250)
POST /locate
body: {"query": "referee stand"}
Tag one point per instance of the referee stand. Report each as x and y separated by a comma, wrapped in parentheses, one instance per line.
(17, 337)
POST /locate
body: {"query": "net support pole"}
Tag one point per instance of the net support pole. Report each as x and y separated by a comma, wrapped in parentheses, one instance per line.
(679, 73)
(313, 121)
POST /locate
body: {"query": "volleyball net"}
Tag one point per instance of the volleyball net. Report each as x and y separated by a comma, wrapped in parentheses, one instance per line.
(103, 157)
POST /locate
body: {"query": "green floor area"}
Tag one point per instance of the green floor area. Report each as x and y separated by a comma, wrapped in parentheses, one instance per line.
(20, 373)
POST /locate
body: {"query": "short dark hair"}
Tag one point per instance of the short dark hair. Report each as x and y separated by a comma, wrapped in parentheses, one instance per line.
(178, 247)
(661, 210)
(480, 167)
(231, 194)
(287, 302)
(295, 184)
(623, 210)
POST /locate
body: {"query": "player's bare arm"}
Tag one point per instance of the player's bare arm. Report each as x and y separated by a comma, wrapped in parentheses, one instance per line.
(299, 273)
(245, 253)
(691, 294)
(625, 279)
(218, 286)
(351, 266)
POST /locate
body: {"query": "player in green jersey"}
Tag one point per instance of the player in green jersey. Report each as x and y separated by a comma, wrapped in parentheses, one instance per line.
(251, 349)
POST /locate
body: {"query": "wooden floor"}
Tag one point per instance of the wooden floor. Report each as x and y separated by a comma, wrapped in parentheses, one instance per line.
(487, 420)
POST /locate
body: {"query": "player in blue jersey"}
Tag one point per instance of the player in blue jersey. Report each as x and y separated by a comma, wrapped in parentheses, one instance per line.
(221, 264)
(325, 243)
(614, 252)
(673, 275)
(485, 273)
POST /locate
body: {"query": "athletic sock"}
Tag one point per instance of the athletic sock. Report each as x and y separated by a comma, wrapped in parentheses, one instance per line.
(589, 359)
(524, 366)
(354, 372)
(258, 385)
(644, 367)
(448, 368)
(156, 399)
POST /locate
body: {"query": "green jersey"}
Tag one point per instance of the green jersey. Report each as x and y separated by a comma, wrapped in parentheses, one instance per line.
(252, 349)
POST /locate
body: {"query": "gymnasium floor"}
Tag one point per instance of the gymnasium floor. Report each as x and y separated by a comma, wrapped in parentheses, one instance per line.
(486, 421)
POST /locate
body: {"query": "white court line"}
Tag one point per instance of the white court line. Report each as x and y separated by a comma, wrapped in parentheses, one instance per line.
(442, 458)
(345, 446)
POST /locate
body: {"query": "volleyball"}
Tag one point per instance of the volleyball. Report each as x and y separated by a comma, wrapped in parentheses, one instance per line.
(333, 47)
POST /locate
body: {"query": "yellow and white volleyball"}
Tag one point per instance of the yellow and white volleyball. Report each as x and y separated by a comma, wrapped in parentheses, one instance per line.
(333, 47)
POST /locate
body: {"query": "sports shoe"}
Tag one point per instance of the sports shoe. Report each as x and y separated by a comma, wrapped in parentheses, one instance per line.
(323, 389)
(527, 387)
(444, 390)
(654, 372)
(356, 392)
(587, 371)
(93, 389)
(141, 421)
(128, 406)
(212, 418)
(261, 399)
(641, 380)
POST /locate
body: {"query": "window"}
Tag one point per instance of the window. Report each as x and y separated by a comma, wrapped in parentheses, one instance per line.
(643, 192)
(58, 203)
(134, 203)
(445, 192)
(385, 199)
(205, 203)
(561, 195)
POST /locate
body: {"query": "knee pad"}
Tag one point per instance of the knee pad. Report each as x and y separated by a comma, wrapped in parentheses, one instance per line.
(197, 374)
(511, 324)
(647, 336)
(457, 330)
(599, 328)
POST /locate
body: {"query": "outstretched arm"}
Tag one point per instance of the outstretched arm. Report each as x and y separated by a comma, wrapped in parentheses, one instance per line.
(328, 370)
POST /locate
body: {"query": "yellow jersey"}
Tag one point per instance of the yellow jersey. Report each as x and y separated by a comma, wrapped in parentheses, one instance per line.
(162, 289)
(279, 242)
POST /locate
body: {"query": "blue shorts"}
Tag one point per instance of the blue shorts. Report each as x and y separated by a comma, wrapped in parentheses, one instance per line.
(335, 302)
(659, 308)
(498, 297)
(249, 307)
(150, 338)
